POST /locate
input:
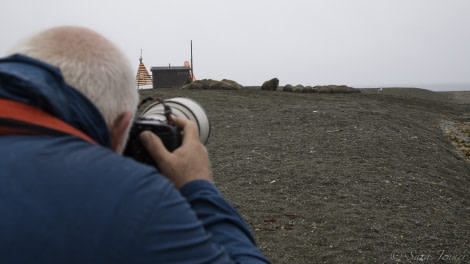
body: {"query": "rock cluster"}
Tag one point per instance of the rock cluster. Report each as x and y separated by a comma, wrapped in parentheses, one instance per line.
(207, 84)
(299, 88)
(269, 85)
(273, 85)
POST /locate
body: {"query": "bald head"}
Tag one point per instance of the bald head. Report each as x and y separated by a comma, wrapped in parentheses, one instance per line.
(90, 63)
(75, 44)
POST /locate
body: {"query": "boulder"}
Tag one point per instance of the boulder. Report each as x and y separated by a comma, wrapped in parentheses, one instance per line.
(309, 89)
(206, 84)
(194, 85)
(288, 88)
(270, 85)
(233, 83)
(337, 89)
(299, 88)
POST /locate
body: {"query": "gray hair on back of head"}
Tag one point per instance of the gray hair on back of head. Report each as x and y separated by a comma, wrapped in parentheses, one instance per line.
(90, 63)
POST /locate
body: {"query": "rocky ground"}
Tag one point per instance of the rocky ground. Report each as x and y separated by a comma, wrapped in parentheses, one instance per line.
(374, 177)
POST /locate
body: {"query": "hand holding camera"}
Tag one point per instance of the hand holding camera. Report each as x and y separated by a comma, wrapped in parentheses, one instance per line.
(188, 162)
(171, 135)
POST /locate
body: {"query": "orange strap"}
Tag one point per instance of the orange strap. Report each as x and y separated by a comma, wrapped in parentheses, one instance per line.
(25, 119)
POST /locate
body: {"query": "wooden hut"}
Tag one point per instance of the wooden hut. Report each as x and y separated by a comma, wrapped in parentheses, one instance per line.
(143, 77)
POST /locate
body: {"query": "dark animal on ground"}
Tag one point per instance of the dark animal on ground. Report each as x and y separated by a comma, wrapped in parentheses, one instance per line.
(270, 85)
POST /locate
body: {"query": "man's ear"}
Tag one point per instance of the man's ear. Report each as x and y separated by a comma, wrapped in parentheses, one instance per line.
(119, 132)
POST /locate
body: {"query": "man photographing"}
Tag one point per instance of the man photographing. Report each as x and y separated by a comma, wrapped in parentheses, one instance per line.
(67, 101)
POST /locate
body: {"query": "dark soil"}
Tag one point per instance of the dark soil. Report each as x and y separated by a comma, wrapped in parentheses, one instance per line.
(342, 178)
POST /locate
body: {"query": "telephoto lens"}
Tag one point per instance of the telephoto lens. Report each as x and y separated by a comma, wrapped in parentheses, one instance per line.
(181, 107)
(154, 118)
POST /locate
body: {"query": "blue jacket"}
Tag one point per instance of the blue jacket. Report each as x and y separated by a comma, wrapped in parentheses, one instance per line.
(65, 200)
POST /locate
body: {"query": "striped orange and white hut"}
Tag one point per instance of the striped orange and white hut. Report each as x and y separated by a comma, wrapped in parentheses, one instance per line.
(143, 77)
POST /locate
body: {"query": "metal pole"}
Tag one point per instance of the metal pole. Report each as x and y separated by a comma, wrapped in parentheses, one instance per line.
(192, 68)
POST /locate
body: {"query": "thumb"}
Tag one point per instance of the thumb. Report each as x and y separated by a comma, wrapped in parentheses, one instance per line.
(154, 146)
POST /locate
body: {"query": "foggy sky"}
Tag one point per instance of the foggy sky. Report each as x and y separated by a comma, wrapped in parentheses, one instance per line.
(310, 42)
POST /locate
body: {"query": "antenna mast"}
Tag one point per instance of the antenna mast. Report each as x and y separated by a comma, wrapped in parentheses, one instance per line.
(192, 67)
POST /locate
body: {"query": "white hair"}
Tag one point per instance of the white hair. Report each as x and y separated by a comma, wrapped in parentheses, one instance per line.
(90, 63)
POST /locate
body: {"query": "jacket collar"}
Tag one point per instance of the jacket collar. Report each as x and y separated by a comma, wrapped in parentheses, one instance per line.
(41, 85)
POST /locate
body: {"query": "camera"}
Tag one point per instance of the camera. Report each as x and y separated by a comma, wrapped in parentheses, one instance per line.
(157, 118)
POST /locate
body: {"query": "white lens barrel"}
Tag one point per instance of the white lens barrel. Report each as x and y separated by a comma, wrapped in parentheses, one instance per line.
(182, 107)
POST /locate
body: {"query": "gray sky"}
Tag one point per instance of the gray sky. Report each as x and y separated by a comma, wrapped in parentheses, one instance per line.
(310, 42)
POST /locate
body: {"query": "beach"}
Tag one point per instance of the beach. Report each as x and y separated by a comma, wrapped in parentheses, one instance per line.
(370, 177)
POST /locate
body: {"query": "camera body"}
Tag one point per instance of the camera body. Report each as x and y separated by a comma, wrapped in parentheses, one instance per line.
(170, 136)
(156, 117)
